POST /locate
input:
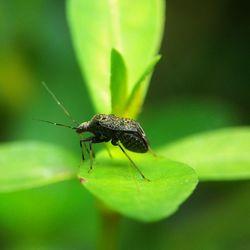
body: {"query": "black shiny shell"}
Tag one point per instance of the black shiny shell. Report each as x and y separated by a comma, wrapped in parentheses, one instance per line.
(134, 142)
(126, 130)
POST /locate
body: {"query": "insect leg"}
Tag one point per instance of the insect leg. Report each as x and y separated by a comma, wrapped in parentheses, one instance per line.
(82, 143)
(83, 158)
(91, 141)
(152, 152)
(86, 148)
(90, 157)
(91, 149)
(142, 175)
(107, 148)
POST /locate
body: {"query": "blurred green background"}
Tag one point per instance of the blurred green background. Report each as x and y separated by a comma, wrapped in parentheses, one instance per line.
(201, 83)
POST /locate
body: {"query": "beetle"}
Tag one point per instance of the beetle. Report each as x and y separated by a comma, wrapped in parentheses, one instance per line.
(120, 131)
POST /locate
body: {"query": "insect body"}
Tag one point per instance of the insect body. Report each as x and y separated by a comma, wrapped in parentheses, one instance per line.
(112, 128)
(121, 132)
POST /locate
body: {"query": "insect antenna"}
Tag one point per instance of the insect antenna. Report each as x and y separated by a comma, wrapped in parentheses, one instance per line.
(56, 123)
(60, 105)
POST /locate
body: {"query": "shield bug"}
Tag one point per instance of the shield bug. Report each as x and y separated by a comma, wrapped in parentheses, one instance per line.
(122, 132)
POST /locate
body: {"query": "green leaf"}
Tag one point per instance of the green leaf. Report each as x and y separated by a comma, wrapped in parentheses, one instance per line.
(118, 82)
(222, 154)
(135, 101)
(133, 28)
(26, 165)
(120, 187)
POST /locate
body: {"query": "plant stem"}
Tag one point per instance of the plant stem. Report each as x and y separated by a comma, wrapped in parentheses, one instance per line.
(109, 228)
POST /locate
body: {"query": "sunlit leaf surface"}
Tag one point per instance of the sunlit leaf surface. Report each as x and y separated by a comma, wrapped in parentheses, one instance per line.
(132, 28)
(118, 82)
(222, 154)
(32, 164)
(120, 186)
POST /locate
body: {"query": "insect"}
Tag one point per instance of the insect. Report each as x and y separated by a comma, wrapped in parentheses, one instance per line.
(122, 132)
